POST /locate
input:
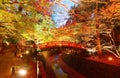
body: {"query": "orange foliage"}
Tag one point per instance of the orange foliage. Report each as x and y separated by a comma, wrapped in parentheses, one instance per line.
(42, 6)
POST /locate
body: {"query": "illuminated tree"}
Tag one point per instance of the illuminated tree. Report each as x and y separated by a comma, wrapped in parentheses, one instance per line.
(107, 17)
(21, 18)
(109, 20)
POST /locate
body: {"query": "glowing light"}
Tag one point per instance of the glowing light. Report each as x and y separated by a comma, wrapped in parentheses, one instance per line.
(91, 50)
(60, 44)
(21, 56)
(27, 52)
(22, 72)
(68, 53)
(110, 58)
(7, 43)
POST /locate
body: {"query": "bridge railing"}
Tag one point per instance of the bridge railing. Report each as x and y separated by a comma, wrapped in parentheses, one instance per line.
(60, 44)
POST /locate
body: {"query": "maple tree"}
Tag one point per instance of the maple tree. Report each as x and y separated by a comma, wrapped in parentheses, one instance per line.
(20, 19)
(81, 26)
(107, 19)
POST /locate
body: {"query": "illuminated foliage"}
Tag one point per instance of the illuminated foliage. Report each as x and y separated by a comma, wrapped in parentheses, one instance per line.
(107, 16)
(32, 19)
(22, 19)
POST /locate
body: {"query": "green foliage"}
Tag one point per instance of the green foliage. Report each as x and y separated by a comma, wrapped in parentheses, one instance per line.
(22, 20)
(43, 27)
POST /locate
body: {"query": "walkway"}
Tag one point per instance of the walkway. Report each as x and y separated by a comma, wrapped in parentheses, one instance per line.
(7, 61)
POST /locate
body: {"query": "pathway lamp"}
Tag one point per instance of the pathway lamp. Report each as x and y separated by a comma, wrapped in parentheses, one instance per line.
(22, 72)
(27, 52)
(110, 58)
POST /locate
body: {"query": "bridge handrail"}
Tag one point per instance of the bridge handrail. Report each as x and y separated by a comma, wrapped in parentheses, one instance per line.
(60, 44)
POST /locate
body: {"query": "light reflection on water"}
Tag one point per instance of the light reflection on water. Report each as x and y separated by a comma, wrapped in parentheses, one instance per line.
(58, 70)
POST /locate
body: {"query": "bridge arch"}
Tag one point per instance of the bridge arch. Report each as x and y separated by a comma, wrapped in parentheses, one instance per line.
(59, 44)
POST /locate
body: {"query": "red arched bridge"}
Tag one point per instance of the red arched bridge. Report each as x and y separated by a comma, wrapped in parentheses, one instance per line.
(59, 44)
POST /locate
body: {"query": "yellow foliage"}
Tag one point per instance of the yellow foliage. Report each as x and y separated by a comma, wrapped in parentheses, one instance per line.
(8, 17)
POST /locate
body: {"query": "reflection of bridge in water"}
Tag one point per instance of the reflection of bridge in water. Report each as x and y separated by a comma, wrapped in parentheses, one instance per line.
(59, 44)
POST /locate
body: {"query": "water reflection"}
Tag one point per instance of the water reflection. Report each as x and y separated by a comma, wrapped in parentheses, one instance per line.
(57, 69)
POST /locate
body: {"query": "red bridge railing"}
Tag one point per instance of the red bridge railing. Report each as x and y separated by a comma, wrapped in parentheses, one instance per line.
(60, 44)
